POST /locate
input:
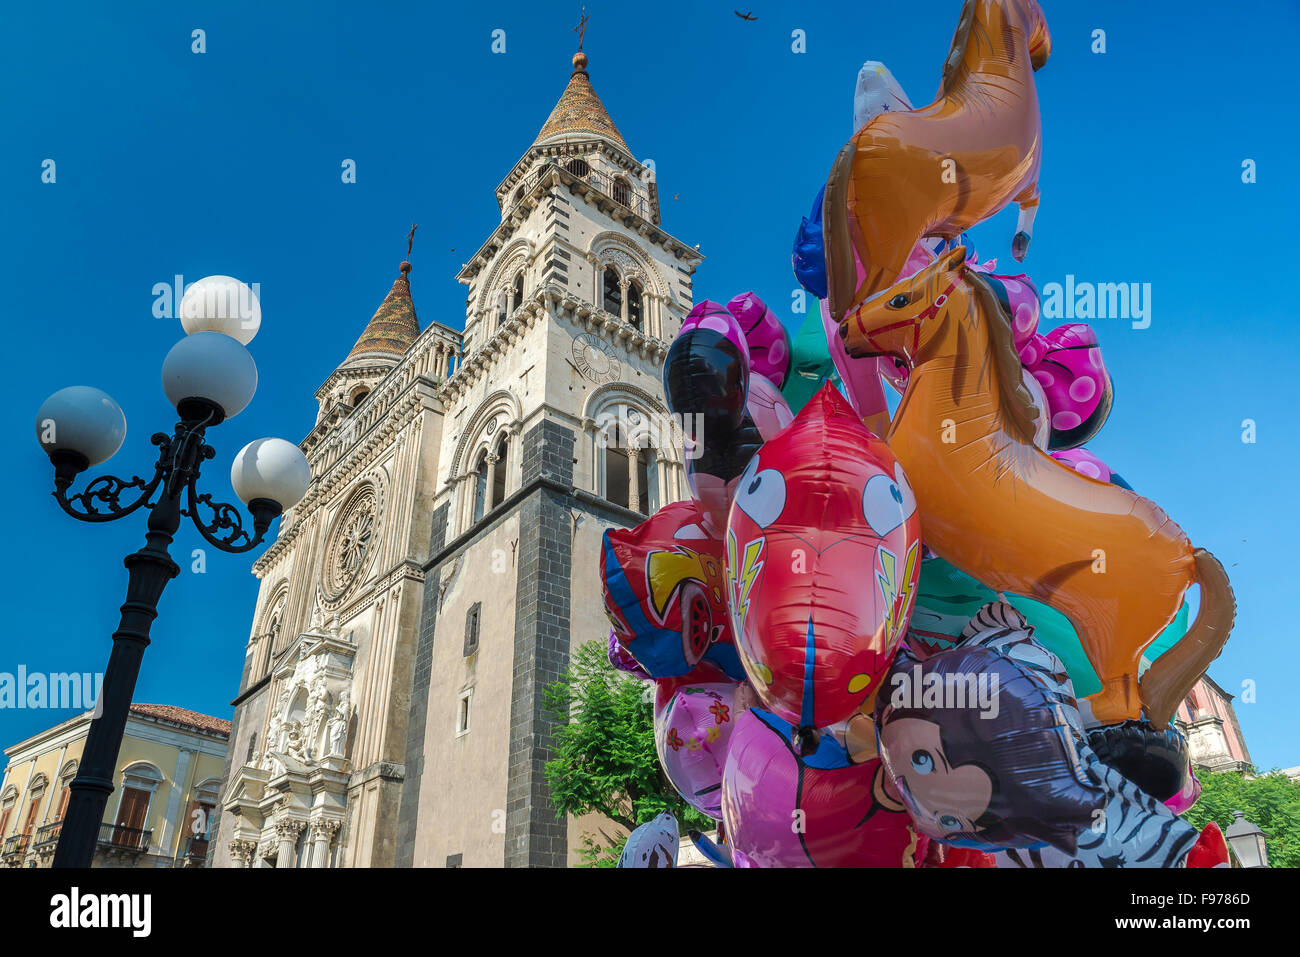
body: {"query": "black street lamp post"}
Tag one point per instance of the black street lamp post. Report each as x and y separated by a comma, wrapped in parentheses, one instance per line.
(210, 376)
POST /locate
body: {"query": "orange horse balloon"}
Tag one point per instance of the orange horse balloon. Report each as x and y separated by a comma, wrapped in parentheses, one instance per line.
(1000, 509)
(941, 169)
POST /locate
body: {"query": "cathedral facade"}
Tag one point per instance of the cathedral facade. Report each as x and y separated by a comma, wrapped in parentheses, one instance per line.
(444, 561)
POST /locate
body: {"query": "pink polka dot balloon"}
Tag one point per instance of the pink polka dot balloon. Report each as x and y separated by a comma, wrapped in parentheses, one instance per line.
(769, 343)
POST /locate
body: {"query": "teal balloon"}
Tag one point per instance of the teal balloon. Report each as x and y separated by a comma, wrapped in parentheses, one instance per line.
(810, 360)
(947, 598)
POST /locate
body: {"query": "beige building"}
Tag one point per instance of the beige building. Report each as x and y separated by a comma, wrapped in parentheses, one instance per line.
(444, 561)
(161, 810)
(1214, 737)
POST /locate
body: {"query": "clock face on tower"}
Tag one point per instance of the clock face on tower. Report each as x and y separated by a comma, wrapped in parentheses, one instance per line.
(595, 358)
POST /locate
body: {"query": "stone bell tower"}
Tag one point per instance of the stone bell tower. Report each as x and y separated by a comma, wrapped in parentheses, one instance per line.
(571, 303)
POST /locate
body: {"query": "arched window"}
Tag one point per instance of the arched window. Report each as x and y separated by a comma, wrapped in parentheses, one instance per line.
(7, 802)
(359, 396)
(499, 473)
(139, 782)
(518, 299)
(622, 192)
(635, 313)
(612, 298)
(35, 797)
(199, 820)
(65, 783)
(503, 307)
(577, 166)
(519, 194)
(273, 638)
(480, 486)
(616, 473)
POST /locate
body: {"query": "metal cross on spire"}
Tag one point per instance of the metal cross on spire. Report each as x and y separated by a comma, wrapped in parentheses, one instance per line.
(410, 239)
(581, 28)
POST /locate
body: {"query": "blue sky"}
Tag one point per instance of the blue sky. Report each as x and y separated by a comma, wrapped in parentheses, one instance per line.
(228, 162)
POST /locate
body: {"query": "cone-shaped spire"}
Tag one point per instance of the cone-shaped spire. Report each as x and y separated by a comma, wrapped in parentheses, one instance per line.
(393, 327)
(579, 111)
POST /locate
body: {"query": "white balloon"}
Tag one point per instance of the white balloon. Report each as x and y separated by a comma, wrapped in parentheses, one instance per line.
(876, 92)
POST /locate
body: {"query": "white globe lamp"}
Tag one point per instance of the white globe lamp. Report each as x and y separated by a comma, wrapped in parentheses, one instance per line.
(271, 470)
(209, 369)
(221, 304)
(80, 426)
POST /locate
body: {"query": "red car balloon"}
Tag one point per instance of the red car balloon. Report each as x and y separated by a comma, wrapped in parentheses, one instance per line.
(664, 593)
(822, 560)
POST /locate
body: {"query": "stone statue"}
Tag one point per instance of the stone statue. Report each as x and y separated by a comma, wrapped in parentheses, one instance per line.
(273, 729)
(296, 745)
(338, 725)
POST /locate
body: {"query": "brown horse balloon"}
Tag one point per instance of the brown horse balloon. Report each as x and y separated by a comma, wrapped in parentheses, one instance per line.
(998, 508)
(941, 169)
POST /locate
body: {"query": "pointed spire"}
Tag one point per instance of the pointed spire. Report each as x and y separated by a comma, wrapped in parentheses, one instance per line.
(579, 111)
(394, 326)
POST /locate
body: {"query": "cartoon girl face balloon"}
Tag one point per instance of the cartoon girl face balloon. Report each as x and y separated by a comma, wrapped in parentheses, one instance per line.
(822, 560)
(984, 742)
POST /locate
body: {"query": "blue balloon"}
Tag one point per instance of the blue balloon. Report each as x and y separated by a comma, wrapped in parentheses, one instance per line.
(809, 259)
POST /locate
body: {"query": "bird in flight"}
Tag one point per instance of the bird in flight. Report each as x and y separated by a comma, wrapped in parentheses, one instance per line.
(677, 195)
(745, 16)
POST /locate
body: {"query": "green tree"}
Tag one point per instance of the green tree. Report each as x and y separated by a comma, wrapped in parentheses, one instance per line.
(603, 756)
(1271, 801)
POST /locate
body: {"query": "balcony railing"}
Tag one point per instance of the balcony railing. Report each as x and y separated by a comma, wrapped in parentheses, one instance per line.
(118, 837)
(194, 853)
(621, 191)
(16, 846)
(47, 836)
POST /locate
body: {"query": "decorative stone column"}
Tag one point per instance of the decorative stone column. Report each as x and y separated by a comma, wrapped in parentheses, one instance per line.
(649, 313)
(633, 479)
(241, 852)
(598, 280)
(322, 836)
(622, 296)
(589, 436)
(464, 502)
(491, 481)
(664, 464)
(286, 833)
